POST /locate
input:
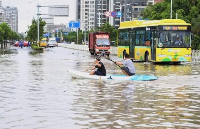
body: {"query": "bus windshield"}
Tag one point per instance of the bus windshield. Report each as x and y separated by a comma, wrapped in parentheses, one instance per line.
(174, 39)
(103, 42)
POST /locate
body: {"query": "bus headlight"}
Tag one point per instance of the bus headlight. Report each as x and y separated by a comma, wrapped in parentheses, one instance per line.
(187, 55)
(160, 55)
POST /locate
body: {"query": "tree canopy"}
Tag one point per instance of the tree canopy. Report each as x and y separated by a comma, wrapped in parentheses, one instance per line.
(33, 30)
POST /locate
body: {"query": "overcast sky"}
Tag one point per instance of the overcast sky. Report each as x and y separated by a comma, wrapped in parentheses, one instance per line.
(27, 9)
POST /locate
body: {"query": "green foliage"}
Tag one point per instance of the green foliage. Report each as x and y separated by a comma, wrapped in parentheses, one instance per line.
(36, 47)
(5, 31)
(33, 30)
(187, 10)
(110, 29)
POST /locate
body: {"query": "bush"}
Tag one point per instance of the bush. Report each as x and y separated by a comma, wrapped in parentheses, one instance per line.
(35, 47)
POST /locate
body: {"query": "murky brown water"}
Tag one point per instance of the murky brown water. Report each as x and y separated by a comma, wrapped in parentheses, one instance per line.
(36, 92)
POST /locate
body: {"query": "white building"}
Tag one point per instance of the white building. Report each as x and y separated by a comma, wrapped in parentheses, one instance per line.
(2, 14)
(11, 17)
(92, 12)
(87, 14)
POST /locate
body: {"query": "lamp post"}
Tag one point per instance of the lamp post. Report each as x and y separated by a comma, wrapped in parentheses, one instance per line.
(38, 36)
(171, 11)
(120, 8)
(85, 33)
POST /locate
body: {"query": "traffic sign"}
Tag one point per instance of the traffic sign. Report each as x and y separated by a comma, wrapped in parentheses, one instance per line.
(113, 13)
(74, 24)
(107, 13)
(65, 33)
(119, 14)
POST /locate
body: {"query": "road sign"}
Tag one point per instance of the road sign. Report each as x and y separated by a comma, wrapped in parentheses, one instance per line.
(107, 14)
(65, 33)
(46, 35)
(113, 13)
(119, 14)
(74, 24)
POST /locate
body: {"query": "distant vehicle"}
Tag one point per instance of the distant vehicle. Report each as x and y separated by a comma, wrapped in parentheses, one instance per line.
(54, 41)
(21, 44)
(43, 42)
(25, 43)
(16, 44)
(58, 39)
(99, 42)
(112, 43)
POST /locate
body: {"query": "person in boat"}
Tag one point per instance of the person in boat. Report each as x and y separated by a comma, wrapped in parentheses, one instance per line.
(101, 70)
(129, 69)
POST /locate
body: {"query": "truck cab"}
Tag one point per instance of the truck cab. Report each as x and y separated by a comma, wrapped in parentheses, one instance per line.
(99, 43)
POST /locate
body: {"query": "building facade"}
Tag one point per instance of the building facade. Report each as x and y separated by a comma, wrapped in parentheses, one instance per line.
(2, 14)
(11, 17)
(92, 12)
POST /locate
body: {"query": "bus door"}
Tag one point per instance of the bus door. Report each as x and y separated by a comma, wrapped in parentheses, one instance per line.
(153, 44)
(132, 44)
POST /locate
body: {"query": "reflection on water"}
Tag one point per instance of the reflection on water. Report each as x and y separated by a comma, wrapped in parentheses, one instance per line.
(37, 92)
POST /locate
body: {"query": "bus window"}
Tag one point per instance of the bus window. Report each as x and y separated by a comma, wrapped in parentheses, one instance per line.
(123, 38)
(140, 37)
(175, 39)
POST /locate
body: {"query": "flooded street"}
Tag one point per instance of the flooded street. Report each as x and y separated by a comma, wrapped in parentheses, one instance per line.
(36, 92)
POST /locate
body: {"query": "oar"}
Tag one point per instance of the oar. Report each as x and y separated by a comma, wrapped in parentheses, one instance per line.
(112, 61)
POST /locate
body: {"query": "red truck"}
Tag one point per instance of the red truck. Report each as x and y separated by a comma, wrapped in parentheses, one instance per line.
(99, 43)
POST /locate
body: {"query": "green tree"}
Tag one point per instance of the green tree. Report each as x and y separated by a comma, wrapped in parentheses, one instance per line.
(6, 34)
(110, 29)
(33, 30)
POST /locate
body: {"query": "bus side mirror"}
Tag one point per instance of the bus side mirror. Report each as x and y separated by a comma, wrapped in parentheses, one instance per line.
(192, 37)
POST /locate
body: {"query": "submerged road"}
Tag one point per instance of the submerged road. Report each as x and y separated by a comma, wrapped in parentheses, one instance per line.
(36, 92)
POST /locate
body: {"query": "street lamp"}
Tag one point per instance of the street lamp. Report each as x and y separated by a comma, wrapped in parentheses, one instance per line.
(85, 32)
(38, 23)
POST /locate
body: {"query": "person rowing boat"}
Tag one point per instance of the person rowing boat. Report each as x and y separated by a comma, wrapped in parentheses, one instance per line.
(101, 71)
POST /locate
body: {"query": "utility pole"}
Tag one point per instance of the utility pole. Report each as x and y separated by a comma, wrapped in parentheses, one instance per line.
(77, 35)
(99, 18)
(38, 36)
(85, 34)
(120, 7)
(171, 10)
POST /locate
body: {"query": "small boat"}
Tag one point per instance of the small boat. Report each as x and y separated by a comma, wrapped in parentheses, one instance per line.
(85, 75)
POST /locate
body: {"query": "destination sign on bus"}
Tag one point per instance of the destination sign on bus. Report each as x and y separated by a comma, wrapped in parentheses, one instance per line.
(102, 36)
(175, 27)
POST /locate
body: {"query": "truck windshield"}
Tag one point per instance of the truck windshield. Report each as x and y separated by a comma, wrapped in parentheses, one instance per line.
(174, 39)
(103, 42)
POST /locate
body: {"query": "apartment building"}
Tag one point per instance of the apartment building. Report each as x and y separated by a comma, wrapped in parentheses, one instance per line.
(92, 12)
(11, 17)
(2, 14)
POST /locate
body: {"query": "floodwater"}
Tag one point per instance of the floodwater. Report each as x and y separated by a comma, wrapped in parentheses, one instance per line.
(36, 92)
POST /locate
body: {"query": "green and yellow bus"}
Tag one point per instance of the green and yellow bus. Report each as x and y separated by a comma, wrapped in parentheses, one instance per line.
(167, 40)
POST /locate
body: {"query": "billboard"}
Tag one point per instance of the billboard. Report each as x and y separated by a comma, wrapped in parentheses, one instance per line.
(58, 10)
(48, 20)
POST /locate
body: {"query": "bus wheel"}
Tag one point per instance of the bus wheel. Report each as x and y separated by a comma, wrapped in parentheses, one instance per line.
(146, 57)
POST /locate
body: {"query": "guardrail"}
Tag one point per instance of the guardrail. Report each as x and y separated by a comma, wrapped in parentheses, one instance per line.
(113, 50)
(196, 56)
